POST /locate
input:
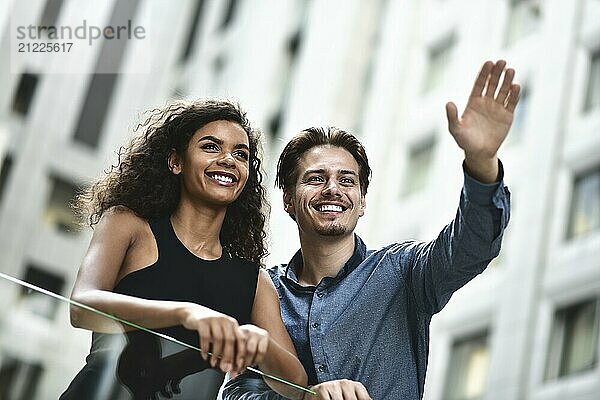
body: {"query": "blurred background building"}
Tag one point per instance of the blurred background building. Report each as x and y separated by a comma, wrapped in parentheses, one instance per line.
(527, 328)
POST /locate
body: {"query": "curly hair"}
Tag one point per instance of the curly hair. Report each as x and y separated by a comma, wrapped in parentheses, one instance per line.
(142, 181)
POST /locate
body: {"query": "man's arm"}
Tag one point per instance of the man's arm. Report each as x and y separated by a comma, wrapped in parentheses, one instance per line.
(249, 386)
(465, 247)
(252, 387)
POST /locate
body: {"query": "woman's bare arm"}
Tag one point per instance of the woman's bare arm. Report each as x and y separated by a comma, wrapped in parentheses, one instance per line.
(280, 357)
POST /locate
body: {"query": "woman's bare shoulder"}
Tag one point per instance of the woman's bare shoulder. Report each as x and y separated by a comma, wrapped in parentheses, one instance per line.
(121, 219)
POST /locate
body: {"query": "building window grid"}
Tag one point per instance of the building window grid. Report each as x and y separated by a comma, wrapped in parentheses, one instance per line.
(439, 58)
(59, 213)
(468, 367)
(38, 303)
(18, 379)
(420, 162)
(5, 170)
(24, 94)
(523, 19)
(192, 35)
(585, 204)
(520, 117)
(592, 96)
(51, 12)
(574, 340)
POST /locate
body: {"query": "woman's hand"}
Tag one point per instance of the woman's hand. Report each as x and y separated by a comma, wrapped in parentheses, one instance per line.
(256, 345)
(232, 347)
(221, 338)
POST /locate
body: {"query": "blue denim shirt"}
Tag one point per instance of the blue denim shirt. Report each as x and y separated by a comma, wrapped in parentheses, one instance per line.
(370, 323)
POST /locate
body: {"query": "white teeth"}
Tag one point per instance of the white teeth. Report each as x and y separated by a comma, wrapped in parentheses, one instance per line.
(222, 178)
(330, 207)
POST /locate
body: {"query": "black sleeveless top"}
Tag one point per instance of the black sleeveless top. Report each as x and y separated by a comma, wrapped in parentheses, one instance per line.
(143, 364)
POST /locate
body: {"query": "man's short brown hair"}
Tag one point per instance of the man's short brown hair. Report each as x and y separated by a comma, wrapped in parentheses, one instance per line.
(287, 166)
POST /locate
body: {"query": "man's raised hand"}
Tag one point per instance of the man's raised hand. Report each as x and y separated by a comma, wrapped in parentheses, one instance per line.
(486, 119)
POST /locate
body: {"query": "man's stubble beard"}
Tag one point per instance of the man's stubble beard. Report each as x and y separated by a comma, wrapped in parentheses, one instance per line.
(331, 230)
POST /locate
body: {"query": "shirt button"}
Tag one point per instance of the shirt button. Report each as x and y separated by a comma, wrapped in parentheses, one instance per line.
(315, 325)
(322, 368)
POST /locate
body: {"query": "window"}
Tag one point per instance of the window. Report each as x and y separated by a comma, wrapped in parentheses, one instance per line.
(573, 339)
(585, 204)
(51, 12)
(523, 19)
(467, 371)
(293, 46)
(39, 303)
(59, 213)
(193, 31)
(418, 169)
(24, 94)
(592, 96)
(5, 173)
(18, 379)
(275, 123)
(520, 116)
(104, 80)
(229, 14)
(439, 58)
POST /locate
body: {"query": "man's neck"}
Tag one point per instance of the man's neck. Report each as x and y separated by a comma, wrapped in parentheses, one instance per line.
(323, 256)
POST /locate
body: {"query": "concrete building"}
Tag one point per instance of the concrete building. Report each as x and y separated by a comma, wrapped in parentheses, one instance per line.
(527, 328)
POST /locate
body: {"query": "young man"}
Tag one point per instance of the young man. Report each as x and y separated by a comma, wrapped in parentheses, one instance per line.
(360, 318)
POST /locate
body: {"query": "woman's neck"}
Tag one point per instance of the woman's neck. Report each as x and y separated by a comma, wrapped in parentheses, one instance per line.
(199, 228)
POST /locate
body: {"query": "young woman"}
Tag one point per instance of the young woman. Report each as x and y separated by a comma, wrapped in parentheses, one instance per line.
(177, 244)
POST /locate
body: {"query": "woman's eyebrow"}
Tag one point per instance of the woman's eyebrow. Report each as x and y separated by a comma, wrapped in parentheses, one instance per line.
(220, 142)
(211, 138)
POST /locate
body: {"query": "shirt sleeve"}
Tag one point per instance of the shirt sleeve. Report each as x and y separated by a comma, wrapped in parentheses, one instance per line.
(249, 386)
(463, 249)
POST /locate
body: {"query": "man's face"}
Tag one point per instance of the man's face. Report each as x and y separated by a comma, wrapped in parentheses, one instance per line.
(326, 199)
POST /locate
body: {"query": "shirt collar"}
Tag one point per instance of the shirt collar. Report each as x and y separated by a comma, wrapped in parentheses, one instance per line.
(358, 256)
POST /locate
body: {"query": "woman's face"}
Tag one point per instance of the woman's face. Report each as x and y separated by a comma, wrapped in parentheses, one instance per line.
(214, 169)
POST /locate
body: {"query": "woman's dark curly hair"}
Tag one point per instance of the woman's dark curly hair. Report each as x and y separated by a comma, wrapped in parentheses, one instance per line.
(142, 181)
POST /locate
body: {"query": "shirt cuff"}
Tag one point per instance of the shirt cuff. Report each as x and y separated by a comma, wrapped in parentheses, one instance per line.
(483, 193)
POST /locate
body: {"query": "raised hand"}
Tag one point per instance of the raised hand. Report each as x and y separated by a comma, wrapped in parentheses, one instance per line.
(486, 119)
(341, 389)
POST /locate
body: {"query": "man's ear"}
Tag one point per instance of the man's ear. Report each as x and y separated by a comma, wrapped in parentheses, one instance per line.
(288, 204)
(363, 205)
(174, 162)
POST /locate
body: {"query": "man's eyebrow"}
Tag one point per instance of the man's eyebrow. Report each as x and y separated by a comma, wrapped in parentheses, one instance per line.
(314, 171)
(220, 141)
(322, 171)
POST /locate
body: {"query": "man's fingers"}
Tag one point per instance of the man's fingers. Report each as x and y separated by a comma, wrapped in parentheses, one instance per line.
(452, 115)
(505, 88)
(323, 393)
(348, 392)
(361, 392)
(513, 97)
(482, 79)
(495, 78)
